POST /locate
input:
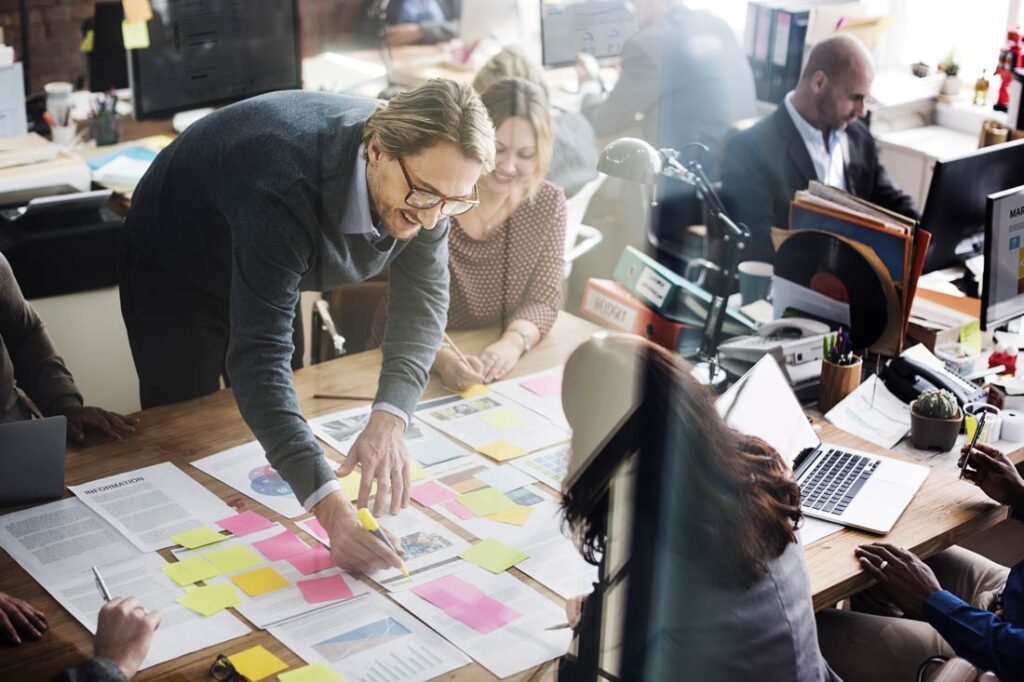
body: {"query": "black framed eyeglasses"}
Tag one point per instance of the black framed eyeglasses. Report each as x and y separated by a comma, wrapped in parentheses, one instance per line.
(420, 198)
(223, 670)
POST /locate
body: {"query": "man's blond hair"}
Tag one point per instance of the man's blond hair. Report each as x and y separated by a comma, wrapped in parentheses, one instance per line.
(440, 110)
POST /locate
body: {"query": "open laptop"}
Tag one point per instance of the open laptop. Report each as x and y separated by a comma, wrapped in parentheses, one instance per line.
(849, 487)
(32, 460)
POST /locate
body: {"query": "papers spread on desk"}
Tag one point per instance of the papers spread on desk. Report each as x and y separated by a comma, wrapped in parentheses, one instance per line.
(492, 424)
(812, 529)
(873, 413)
(496, 619)
(548, 466)
(121, 172)
(245, 469)
(540, 392)
(151, 504)
(59, 543)
(277, 605)
(369, 638)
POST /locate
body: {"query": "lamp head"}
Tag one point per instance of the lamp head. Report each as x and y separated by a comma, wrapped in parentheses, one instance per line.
(632, 160)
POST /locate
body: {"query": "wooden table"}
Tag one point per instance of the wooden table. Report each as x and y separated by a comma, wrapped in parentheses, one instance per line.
(944, 511)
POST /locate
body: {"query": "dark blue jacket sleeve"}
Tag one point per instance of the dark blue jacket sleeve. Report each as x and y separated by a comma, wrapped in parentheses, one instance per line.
(980, 636)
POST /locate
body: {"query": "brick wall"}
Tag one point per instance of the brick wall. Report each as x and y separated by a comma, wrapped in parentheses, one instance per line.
(55, 36)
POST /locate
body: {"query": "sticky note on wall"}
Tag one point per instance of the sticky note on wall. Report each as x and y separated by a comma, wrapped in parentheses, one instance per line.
(136, 11)
(136, 36)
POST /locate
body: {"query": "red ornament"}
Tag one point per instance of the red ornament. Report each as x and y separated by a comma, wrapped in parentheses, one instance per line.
(1010, 57)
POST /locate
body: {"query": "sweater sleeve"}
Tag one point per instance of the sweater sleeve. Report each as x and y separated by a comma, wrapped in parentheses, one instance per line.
(980, 636)
(97, 669)
(38, 369)
(543, 295)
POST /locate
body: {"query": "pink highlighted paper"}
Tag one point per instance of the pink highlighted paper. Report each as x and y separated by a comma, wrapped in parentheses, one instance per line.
(282, 546)
(457, 509)
(431, 493)
(316, 528)
(245, 523)
(331, 588)
(312, 561)
(543, 387)
(466, 604)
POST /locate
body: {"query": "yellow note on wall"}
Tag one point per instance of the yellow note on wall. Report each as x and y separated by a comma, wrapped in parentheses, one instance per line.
(136, 36)
(88, 42)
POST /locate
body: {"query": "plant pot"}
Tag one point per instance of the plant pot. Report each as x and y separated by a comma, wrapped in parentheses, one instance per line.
(951, 86)
(927, 433)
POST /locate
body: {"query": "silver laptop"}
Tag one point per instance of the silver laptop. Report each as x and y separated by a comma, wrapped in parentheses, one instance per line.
(32, 460)
(837, 484)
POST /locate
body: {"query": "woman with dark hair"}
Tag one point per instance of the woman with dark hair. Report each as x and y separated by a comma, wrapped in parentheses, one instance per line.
(722, 570)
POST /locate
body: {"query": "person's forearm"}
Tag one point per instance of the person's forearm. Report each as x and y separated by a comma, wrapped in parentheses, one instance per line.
(522, 332)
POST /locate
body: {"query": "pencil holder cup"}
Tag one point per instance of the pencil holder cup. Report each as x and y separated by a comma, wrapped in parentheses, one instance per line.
(106, 130)
(837, 382)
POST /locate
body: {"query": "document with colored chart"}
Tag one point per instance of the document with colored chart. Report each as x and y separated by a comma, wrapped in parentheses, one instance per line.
(540, 392)
(497, 619)
(370, 639)
(492, 424)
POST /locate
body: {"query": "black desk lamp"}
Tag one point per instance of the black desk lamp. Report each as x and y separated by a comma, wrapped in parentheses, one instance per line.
(637, 161)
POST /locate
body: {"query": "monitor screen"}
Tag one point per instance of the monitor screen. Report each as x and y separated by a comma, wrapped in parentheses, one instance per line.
(209, 52)
(955, 210)
(597, 27)
(1002, 297)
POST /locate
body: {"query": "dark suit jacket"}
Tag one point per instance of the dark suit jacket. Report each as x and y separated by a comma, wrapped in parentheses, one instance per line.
(764, 166)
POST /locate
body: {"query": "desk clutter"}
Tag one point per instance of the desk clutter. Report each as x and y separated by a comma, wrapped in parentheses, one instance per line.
(479, 459)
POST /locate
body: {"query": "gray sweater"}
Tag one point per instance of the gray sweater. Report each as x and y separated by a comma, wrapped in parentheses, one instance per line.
(248, 205)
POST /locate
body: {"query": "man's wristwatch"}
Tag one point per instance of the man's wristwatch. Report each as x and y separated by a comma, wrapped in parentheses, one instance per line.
(525, 339)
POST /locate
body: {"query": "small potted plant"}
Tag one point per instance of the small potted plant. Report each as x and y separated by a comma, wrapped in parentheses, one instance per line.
(935, 420)
(951, 83)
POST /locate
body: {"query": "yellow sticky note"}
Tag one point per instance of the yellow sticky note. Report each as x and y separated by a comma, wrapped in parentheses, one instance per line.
(486, 501)
(233, 559)
(190, 571)
(502, 418)
(970, 336)
(257, 663)
(416, 472)
(137, 10)
(317, 672)
(970, 425)
(210, 599)
(501, 450)
(475, 391)
(156, 142)
(516, 517)
(493, 555)
(198, 537)
(88, 42)
(260, 581)
(136, 36)
(350, 485)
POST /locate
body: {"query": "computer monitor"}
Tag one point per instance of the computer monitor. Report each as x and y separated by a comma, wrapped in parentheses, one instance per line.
(499, 20)
(1002, 291)
(955, 210)
(209, 52)
(597, 27)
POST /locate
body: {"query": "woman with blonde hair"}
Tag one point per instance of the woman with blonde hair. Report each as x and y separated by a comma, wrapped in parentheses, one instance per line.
(506, 254)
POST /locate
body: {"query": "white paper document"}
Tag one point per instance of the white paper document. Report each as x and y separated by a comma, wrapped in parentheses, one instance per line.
(873, 413)
(490, 419)
(369, 639)
(540, 392)
(272, 607)
(59, 543)
(505, 629)
(548, 466)
(245, 469)
(812, 529)
(151, 504)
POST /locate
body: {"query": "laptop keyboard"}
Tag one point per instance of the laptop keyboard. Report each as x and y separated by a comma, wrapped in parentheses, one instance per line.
(835, 480)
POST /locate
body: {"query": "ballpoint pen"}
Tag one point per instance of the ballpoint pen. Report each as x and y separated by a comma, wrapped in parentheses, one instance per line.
(102, 585)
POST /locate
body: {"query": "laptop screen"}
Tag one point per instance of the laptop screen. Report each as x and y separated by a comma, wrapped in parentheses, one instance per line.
(762, 404)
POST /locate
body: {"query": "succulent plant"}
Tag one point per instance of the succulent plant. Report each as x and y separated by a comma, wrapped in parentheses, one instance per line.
(937, 404)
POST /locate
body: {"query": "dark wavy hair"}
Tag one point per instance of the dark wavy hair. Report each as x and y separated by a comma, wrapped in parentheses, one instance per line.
(742, 505)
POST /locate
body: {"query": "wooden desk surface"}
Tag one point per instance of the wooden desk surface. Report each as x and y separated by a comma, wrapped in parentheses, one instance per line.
(944, 511)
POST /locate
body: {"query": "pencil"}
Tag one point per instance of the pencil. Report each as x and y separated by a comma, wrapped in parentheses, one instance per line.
(331, 396)
(448, 340)
(101, 584)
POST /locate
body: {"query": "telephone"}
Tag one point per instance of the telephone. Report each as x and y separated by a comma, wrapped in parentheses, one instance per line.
(796, 344)
(907, 379)
(792, 328)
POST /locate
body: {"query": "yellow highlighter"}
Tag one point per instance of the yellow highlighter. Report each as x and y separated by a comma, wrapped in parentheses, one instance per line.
(370, 524)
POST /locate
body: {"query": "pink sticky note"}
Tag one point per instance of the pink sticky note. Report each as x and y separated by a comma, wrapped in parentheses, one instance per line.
(457, 509)
(313, 561)
(431, 493)
(314, 526)
(245, 523)
(443, 592)
(331, 588)
(543, 387)
(283, 545)
(483, 614)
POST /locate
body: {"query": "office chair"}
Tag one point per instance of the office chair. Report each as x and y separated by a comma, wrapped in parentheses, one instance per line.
(942, 669)
(342, 318)
(579, 237)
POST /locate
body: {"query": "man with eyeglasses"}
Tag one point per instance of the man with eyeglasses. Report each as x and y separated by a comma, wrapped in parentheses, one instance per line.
(297, 191)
